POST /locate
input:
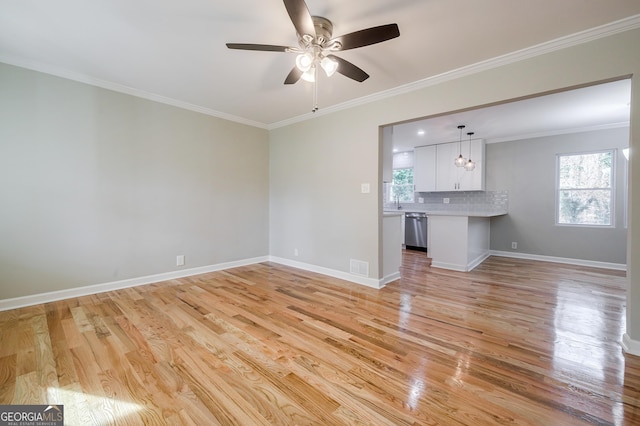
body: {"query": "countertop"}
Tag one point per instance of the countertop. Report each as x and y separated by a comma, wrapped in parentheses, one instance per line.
(468, 213)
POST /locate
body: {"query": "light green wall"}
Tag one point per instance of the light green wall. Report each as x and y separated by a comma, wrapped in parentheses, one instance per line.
(526, 168)
(330, 156)
(97, 186)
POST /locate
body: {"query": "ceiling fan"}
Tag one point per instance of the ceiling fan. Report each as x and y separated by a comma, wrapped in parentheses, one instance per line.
(316, 45)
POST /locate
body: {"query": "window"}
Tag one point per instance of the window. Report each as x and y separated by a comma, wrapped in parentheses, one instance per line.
(402, 188)
(402, 184)
(585, 189)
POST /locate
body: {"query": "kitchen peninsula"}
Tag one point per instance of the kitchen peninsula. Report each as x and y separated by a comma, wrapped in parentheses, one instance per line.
(458, 225)
(459, 240)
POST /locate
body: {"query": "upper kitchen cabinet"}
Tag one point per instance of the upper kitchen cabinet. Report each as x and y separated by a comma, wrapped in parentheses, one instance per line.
(449, 177)
(424, 168)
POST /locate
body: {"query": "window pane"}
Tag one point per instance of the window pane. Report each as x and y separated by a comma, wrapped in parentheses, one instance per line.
(585, 170)
(403, 176)
(402, 188)
(403, 193)
(585, 207)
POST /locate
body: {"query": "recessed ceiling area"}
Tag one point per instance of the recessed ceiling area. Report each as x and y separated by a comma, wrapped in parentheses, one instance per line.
(600, 106)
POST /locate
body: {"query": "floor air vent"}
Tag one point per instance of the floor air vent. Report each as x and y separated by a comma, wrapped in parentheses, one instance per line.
(359, 267)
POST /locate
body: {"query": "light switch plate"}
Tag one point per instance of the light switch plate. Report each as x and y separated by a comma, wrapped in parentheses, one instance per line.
(365, 188)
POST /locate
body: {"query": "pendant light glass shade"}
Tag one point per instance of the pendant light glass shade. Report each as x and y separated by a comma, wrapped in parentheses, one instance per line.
(460, 160)
(470, 165)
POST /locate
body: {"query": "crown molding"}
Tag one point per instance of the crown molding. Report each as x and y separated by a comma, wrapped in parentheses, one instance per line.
(560, 132)
(120, 88)
(626, 24)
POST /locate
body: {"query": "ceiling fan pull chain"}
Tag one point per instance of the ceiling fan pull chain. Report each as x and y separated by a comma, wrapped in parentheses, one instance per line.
(315, 90)
(316, 46)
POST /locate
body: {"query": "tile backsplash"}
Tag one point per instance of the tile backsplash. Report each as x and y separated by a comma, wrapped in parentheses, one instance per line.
(478, 201)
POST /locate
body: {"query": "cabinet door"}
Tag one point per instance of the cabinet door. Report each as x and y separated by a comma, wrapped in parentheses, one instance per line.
(446, 170)
(424, 168)
(472, 180)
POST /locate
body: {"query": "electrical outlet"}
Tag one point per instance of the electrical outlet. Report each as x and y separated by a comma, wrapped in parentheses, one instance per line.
(514, 245)
(180, 260)
(295, 252)
(445, 201)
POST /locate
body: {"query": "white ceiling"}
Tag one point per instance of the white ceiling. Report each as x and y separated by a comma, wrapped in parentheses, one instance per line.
(174, 51)
(590, 108)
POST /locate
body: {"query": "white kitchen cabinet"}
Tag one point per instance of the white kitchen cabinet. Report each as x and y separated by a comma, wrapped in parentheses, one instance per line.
(452, 178)
(424, 168)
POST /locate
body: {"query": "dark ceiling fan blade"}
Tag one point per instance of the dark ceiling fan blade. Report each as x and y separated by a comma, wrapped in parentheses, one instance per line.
(300, 16)
(262, 47)
(347, 69)
(368, 36)
(293, 76)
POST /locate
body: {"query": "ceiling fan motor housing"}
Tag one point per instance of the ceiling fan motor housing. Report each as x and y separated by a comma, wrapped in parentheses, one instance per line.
(324, 29)
(324, 32)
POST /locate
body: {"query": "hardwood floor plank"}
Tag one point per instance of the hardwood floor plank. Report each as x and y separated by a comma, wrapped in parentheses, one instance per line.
(512, 342)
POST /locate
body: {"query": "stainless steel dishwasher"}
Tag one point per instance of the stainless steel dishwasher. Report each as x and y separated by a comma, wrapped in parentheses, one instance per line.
(415, 231)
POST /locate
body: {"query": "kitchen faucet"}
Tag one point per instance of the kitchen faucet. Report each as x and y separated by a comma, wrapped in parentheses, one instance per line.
(399, 207)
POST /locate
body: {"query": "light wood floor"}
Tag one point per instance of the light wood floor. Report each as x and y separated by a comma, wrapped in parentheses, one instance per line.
(512, 342)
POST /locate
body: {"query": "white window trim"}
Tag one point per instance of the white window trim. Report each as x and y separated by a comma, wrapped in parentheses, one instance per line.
(613, 152)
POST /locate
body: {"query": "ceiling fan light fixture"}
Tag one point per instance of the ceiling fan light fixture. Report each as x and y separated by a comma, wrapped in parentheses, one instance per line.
(310, 75)
(315, 39)
(329, 66)
(304, 61)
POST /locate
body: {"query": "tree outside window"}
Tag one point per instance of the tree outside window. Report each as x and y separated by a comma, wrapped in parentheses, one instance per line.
(585, 189)
(402, 188)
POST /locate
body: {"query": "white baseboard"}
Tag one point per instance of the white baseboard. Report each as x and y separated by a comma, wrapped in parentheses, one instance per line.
(19, 302)
(390, 278)
(369, 282)
(460, 267)
(566, 260)
(478, 260)
(630, 346)
(450, 266)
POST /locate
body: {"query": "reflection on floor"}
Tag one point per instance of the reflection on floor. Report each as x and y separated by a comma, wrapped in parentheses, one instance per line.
(511, 342)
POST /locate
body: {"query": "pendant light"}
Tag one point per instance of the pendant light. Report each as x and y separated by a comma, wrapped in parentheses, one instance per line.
(470, 165)
(460, 161)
